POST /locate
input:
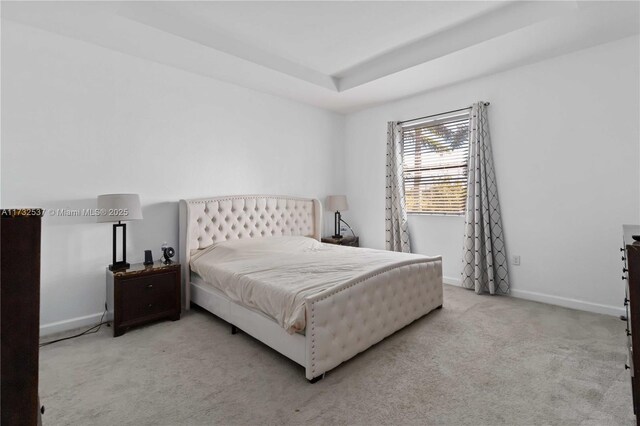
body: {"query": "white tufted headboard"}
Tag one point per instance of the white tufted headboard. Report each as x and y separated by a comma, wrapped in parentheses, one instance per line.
(206, 221)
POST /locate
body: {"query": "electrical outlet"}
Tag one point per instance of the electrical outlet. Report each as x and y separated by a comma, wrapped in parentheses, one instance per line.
(515, 260)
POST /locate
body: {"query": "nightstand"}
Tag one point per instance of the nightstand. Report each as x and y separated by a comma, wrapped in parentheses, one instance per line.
(344, 241)
(141, 294)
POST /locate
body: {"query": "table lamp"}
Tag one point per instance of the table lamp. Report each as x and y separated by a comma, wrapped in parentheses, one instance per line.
(119, 208)
(337, 203)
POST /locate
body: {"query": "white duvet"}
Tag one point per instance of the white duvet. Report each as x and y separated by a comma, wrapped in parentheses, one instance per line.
(274, 275)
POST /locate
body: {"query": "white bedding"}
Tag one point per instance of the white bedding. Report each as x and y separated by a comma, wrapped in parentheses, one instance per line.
(275, 275)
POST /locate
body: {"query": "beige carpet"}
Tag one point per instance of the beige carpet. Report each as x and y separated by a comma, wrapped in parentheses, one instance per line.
(480, 360)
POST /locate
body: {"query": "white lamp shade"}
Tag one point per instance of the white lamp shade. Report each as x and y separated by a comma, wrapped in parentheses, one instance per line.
(337, 203)
(119, 207)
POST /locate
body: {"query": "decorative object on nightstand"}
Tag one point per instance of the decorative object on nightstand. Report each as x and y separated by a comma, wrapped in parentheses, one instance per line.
(167, 254)
(337, 204)
(148, 258)
(141, 294)
(118, 208)
(344, 241)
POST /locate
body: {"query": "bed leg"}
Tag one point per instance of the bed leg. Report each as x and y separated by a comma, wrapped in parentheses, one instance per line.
(439, 307)
(234, 329)
(317, 378)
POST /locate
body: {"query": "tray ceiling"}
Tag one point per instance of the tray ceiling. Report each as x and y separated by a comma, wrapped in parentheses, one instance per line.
(342, 56)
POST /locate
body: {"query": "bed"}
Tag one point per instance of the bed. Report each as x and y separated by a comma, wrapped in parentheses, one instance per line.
(256, 262)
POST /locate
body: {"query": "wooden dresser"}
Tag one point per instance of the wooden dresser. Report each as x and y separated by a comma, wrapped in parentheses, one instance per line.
(20, 296)
(631, 276)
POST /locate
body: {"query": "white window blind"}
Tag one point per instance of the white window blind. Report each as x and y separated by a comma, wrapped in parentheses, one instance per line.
(435, 155)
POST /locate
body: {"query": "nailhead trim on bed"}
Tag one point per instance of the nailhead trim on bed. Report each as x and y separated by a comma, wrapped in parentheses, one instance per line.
(392, 298)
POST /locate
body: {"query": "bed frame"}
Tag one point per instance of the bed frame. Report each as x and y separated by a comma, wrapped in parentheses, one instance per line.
(341, 321)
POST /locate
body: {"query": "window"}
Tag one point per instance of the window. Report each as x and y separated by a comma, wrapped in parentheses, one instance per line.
(435, 156)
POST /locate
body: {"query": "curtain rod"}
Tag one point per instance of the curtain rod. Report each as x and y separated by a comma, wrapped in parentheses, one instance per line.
(442, 113)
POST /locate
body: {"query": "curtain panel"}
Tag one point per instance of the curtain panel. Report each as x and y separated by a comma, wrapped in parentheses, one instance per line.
(396, 227)
(484, 255)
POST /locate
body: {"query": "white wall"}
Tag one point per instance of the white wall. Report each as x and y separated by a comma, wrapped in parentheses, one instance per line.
(79, 120)
(566, 148)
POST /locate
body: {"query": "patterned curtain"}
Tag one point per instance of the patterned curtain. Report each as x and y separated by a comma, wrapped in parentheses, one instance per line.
(397, 231)
(484, 257)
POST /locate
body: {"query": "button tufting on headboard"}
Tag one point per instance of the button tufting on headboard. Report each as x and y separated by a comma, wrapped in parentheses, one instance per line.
(225, 218)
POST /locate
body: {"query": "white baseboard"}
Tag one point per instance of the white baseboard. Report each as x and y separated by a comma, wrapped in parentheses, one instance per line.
(70, 324)
(581, 305)
(451, 281)
(566, 302)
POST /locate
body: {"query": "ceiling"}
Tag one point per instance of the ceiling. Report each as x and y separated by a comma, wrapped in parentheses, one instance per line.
(341, 56)
(329, 37)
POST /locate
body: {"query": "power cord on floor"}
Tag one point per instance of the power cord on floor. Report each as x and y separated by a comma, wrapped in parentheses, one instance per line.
(91, 330)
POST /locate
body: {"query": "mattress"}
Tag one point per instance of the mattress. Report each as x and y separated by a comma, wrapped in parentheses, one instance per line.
(275, 275)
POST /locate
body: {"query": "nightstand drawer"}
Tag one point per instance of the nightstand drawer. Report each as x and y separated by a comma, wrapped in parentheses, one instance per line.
(146, 296)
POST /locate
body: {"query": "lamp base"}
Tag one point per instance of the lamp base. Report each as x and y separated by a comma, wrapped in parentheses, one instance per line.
(119, 265)
(336, 230)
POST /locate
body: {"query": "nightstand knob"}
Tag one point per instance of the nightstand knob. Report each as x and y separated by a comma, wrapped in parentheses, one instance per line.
(150, 305)
(150, 286)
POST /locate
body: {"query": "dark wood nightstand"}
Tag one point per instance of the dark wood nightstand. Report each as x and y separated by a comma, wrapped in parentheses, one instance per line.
(344, 241)
(141, 294)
